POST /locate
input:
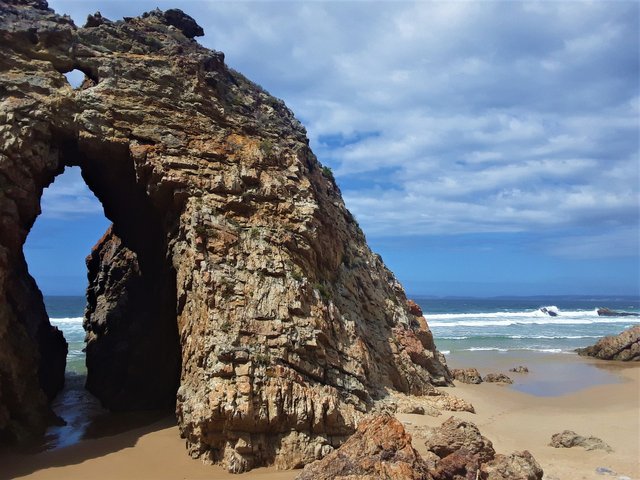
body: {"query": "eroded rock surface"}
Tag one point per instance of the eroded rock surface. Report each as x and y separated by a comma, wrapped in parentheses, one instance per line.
(463, 453)
(456, 451)
(455, 434)
(625, 346)
(569, 439)
(516, 466)
(606, 312)
(432, 404)
(380, 448)
(287, 325)
(466, 375)
(496, 378)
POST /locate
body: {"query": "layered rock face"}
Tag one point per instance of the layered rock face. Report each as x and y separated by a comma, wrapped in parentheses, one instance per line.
(133, 355)
(625, 346)
(232, 258)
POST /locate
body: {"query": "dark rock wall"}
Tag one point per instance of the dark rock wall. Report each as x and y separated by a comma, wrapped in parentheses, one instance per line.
(133, 355)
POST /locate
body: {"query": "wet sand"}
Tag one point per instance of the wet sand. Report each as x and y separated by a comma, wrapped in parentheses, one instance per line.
(560, 392)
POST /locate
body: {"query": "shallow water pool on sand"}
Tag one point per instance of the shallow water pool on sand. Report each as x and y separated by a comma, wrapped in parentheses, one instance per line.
(550, 374)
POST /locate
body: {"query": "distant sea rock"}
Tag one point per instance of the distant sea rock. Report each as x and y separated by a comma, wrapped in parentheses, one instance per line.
(605, 312)
(624, 346)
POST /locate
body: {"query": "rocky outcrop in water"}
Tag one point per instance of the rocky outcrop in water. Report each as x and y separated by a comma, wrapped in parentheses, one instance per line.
(232, 258)
(455, 434)
(625, 346)
(606, 312)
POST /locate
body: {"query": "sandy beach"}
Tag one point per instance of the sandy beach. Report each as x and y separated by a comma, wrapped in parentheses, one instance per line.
(561, 392)
(515, 420)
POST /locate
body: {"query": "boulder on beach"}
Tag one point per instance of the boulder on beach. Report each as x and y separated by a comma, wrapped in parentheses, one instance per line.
(380, 448)
(451, 403)
(458, 451)
(569, 439)
(519, 369)
(517, 466)
(466, 375)
(625, 346)
(497, 378)
(455, 434)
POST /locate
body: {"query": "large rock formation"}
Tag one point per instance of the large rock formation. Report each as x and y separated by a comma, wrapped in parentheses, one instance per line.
(232, 258)
(625, 346)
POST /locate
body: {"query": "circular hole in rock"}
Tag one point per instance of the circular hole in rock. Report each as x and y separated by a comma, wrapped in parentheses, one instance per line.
(75, 78)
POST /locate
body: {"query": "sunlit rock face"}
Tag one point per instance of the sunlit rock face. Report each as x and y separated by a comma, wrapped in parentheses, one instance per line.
(233, 281)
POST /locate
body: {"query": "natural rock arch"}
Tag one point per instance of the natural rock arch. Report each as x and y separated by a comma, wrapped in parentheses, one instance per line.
(227, 234)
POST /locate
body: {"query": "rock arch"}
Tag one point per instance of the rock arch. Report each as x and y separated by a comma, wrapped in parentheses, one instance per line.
(288, 327)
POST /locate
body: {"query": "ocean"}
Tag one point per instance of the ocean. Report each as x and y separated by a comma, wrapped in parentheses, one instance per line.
(469, 331)
(521, 324)
(458, 324)
(66, 313)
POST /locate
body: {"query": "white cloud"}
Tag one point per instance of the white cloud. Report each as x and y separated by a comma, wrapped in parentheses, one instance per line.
(451, 117)
(69, 197)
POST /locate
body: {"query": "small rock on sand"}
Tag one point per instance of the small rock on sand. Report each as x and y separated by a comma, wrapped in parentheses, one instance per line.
(466, 375)
(569, 438)
(497, 378)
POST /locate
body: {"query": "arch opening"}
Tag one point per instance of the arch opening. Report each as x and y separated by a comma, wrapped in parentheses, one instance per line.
(129, 309)
(75, 78)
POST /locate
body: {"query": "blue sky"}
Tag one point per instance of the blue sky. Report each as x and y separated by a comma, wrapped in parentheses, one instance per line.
(486, 148)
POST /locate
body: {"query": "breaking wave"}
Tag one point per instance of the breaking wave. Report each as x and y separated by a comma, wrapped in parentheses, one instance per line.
(533, 317)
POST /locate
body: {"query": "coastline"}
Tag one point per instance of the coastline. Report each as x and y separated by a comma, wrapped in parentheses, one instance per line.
(604, 405)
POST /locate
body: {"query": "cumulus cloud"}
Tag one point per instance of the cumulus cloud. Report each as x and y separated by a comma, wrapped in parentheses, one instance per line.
(451, 117)
(69, 197)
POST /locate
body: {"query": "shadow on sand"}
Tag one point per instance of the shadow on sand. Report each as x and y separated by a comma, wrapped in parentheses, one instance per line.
(88, 431)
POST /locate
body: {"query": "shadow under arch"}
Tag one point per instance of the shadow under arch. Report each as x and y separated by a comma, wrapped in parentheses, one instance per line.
(132, 351)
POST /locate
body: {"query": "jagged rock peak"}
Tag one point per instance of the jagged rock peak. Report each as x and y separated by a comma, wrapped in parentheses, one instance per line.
(232, 258)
